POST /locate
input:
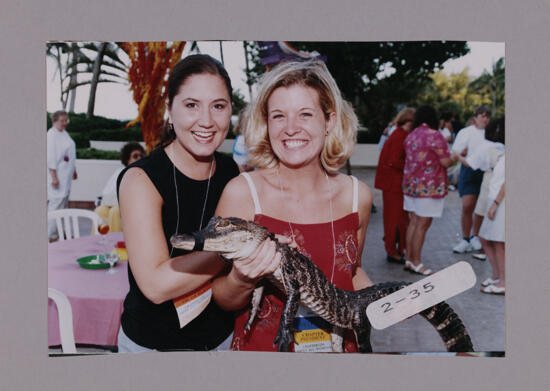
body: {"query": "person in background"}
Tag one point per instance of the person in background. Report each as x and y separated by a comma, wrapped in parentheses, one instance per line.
(424, 182)
(385, 134)
(389, 178)
(446, 127)
(108, 208)
(469, 182)
(61, 159)
(175, 189)
(240, 151)
(492, 231)
(300, 131)
(485, 159)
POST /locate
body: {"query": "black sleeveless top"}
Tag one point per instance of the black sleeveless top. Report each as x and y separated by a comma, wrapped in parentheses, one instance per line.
(156, 326)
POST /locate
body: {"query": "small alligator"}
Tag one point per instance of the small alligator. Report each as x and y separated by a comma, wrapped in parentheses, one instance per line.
(304, 283)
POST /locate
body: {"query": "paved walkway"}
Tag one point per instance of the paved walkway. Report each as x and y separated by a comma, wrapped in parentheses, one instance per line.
(482, 314)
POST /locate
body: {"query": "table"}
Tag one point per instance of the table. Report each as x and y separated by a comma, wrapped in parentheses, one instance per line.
(96, 297)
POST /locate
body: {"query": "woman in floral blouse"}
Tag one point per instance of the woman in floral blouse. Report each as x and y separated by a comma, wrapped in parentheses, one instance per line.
(424, 182)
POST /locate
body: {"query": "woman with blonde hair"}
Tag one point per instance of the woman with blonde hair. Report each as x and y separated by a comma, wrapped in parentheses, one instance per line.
(389, 176)
(299, 132)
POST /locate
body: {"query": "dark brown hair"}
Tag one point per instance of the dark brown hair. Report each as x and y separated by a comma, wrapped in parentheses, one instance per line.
(426, 114)
(127, 150)
(495, 130)
(191, 65)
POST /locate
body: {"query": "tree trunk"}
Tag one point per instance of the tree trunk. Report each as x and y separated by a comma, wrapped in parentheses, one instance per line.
(248, 83)
(72, 97)
(62, 95)
(221, 52)
(95, 77)
(73, 79)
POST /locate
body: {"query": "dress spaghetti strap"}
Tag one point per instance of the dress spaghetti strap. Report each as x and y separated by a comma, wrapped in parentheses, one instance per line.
(253, 192)
(355, 194)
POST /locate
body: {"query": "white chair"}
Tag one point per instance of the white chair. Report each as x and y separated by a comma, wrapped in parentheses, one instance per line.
(64, 217)
(65, 320)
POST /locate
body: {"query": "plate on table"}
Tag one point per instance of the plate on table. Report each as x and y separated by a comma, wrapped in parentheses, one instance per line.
(93, 262)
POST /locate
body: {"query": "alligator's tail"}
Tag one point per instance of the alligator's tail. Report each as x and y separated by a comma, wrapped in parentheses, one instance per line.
(441, 316)
(449, 326)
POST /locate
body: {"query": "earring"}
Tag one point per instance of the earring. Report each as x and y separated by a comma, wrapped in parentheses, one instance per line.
(170, 127)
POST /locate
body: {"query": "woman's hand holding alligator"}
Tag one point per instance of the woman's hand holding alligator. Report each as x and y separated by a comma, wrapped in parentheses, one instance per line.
(263, 261)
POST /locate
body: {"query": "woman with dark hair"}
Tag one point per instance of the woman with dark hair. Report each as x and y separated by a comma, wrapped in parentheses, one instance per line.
(175, 190)
(485, 158)
(424, 182)
(389, 177)
(492, 231)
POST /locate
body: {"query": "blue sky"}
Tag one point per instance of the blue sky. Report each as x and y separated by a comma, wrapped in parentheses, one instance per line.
(115, 101)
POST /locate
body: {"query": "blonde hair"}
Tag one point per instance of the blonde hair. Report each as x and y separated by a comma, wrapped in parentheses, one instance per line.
(339, 143)
(405, 115)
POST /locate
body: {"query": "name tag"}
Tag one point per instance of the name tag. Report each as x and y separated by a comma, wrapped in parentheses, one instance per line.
(312, 333)
(190, 305)
(423, 294)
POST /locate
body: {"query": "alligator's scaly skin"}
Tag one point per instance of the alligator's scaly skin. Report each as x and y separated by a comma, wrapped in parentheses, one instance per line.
(304, 283)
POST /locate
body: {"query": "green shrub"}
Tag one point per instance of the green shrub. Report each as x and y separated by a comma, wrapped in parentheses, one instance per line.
(92, 153)
(80, 139)
(119, 134)
(79, 123)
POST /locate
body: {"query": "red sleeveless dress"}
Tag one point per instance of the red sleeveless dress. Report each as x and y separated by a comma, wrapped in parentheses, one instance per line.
(315, 242)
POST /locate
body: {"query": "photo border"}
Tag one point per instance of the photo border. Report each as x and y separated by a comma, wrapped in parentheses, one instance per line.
(23, 284)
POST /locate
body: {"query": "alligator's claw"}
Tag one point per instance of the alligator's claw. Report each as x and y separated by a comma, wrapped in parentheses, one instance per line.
(283, 339)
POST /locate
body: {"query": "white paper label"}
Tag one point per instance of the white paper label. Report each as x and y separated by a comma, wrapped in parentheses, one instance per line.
(190, 305)
(420, 295)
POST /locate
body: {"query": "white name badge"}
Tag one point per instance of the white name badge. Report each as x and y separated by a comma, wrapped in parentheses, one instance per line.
(423, 294)
(311, 332)
(190, 305)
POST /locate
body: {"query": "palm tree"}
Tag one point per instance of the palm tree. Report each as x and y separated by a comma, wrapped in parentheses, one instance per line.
(105, 67)
(74, 59)
(492, 83)
(65, 55)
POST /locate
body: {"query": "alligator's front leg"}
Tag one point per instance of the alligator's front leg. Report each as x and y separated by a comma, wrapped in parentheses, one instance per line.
(254, 306)
(285, 335)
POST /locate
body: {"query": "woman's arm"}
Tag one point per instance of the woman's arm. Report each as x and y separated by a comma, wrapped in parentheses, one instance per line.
(232, 291)
(441, 149)
(448, 161)
(458, 157)
(360, 279)
(159, 277)
(494, 206)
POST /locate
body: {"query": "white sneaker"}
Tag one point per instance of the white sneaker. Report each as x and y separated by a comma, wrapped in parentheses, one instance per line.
(475, 243)
(462, 247)
(480, 256)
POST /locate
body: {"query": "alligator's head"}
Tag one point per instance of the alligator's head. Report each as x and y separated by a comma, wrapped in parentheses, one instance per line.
(231, 237)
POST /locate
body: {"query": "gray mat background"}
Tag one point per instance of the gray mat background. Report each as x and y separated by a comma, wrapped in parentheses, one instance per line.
(24, 28)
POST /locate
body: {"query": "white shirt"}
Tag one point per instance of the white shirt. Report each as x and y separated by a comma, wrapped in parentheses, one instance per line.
(497, 179)
(470, 137)
(61, 156)
(384, 137)
(445, 132)
(240, 151)
(485, 156)
(108, 195)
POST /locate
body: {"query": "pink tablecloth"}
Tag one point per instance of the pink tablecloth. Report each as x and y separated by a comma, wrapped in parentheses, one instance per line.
(96, 297)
